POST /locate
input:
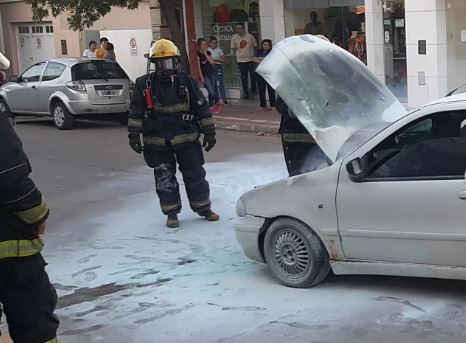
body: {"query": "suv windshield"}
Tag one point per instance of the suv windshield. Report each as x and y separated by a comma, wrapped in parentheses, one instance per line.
(92, 70)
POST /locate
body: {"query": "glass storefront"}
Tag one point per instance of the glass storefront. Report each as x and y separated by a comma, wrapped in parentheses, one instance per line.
(342, 21)
(395, 48)
(219, 19)
(456, 44)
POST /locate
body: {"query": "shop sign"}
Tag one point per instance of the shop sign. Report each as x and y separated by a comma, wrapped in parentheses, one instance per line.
(224, 32)
(399, 23)
(133, 46)
(387, 37)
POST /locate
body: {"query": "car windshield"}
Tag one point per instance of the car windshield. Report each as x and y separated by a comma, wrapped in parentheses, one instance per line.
(96, 69)
(331, 92)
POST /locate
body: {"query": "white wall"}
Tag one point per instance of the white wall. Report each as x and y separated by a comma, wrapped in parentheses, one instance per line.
(426, 20)
(134, 66)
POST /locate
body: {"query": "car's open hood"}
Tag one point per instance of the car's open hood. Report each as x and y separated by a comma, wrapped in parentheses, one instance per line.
(331, 92)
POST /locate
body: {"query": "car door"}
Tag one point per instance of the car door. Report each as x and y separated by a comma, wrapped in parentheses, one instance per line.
(49, 84)
(410, 205)
(23, 98)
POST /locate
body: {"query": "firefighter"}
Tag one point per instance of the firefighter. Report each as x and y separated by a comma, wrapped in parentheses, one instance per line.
(170, 111)
(302, 154)
(27, 297)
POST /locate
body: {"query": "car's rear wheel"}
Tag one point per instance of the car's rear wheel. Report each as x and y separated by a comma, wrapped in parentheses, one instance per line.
(62, 118)
(295, 254)
(4, 109)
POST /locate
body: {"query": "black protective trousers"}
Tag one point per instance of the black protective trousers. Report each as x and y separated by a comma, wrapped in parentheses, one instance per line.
(190, 161)
(302, 158)
(28, 299)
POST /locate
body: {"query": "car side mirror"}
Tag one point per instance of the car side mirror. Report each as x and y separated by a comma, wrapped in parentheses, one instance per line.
(355, 170)
(14, 78)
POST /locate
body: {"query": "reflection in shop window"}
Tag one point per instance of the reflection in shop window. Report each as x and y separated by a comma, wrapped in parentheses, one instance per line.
(343, 22)
(220, 19)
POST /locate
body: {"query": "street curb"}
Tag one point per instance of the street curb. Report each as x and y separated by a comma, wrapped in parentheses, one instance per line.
(246, 125)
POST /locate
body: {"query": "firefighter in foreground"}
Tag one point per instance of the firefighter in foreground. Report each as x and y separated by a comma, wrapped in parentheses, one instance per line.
(170, 111)
(27, 297)
(302, 154)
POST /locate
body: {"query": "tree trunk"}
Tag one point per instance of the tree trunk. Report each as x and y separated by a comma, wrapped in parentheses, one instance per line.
(168, 13)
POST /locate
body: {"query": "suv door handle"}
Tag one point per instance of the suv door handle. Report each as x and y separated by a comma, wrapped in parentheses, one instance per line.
(462, 195)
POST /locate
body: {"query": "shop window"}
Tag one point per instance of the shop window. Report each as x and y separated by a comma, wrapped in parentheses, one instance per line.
(220, 19)
(33, 29)
(395, 47)
(342, 22)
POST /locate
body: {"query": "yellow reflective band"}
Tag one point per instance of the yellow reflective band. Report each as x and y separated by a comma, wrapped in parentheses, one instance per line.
(207, 122)
(185, 138)
(34, 214)
(20, 248)
(298, 138)
(170, 207)
(52, 341)
(200, 204)
(154, 140)
(176, 108)
(135, 123)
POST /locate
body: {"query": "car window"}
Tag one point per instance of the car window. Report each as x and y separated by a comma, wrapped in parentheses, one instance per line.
(97, 70)
(430, 148)
(53, 71)
(33, 73)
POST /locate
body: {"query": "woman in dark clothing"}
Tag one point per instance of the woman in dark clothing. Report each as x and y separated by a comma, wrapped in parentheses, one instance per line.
(207, 73)
(266, 47)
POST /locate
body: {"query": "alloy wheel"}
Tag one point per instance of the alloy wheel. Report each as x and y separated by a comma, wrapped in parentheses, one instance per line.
(292, 253)
(59, 116)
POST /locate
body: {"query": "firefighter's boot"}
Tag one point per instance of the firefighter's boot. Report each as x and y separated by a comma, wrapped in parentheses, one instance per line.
(172, 221)
(210, 215)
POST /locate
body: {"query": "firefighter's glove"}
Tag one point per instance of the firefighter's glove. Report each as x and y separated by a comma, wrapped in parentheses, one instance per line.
(135, 142)
(209, 142)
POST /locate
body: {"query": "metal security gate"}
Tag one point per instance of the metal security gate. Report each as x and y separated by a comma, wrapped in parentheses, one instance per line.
(35, 43)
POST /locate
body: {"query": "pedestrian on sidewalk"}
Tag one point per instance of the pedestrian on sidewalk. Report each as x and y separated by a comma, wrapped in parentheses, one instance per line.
(219, 60)
(244, 44)
(110, 52)
(91, 52)
(265, 48)
(100, 53)
(170, 111)
(26, 294)
(205, 64)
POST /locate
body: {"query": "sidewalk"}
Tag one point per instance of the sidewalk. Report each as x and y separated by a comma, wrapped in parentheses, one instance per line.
(242, 115)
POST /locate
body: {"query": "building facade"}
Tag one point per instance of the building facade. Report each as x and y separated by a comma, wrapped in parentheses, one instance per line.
(26, 42)
(416, 47)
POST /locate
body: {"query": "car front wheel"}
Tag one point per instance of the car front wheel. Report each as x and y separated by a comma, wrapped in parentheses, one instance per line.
(295, 254)
(62, 118)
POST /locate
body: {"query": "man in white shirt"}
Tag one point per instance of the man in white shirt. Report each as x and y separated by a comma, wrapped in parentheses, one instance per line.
(91, 52)
(243, 44)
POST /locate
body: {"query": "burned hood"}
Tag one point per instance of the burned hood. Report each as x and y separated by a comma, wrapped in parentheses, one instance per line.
(331, 92)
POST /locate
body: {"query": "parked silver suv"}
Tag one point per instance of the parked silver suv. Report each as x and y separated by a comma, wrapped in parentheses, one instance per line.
(68, 88)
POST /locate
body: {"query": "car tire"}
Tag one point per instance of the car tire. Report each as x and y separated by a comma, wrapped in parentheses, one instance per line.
(295, 254)
(5, 110)
(62, 118)
(123, 119)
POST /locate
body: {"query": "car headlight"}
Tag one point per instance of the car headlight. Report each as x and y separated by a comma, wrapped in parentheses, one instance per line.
(241, 208)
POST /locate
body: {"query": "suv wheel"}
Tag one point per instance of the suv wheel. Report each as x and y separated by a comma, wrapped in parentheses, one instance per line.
(62, 118)
(5, 110)
(295, 254)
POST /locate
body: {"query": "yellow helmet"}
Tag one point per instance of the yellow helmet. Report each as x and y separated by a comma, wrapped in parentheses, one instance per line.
(163, 48)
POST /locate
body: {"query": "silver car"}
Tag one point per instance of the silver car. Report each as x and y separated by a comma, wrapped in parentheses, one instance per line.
(392, 201)
(66, 89)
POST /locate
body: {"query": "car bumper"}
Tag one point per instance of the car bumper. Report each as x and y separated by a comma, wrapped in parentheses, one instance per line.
(247, 231)
(85, 107)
